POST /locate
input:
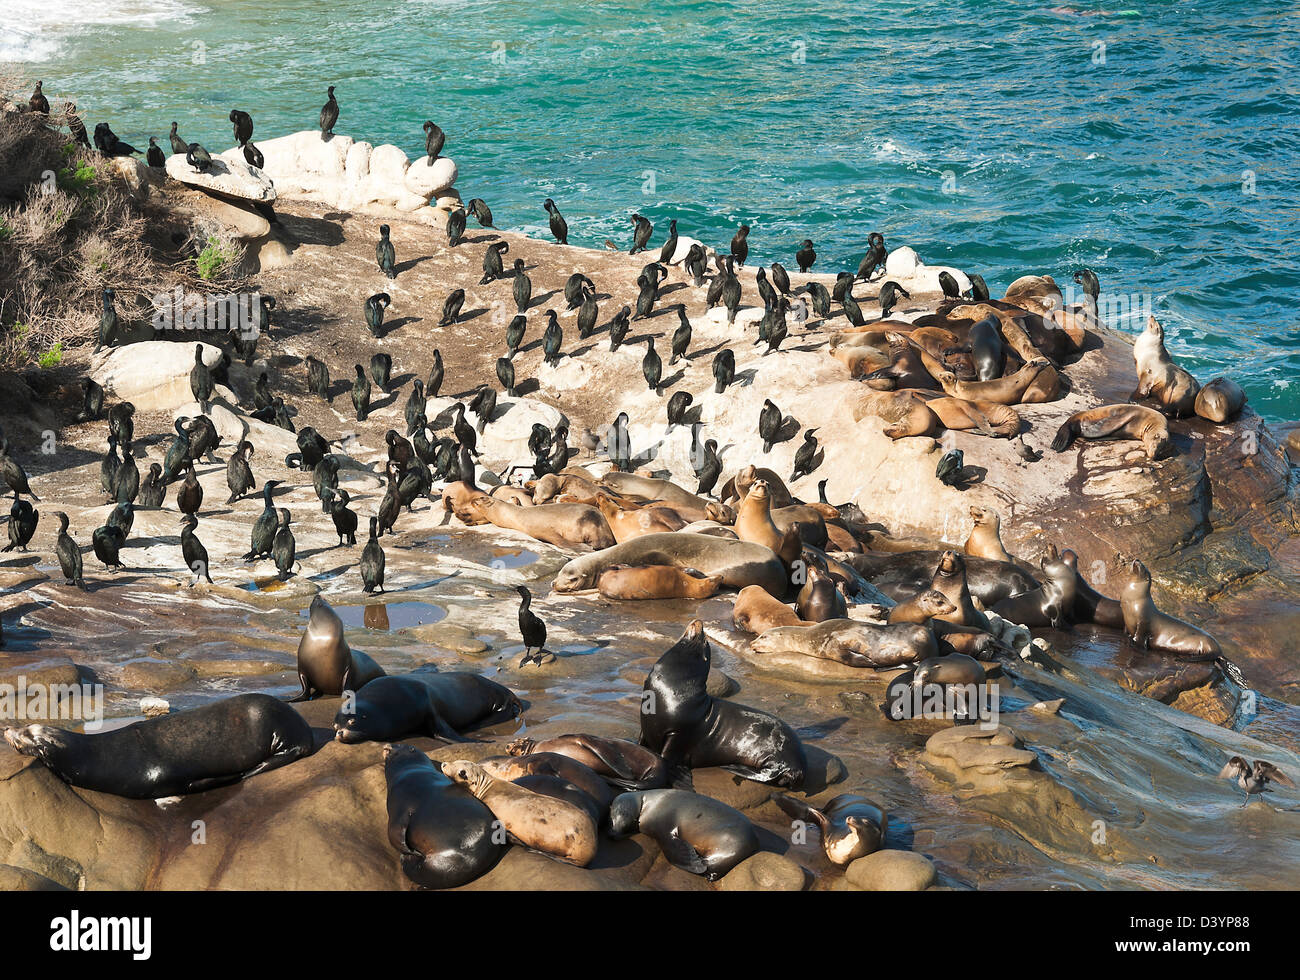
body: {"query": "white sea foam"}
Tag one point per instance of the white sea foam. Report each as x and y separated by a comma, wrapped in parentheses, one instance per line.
(36, 30)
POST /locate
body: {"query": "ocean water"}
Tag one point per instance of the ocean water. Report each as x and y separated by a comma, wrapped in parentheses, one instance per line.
(1156, 142)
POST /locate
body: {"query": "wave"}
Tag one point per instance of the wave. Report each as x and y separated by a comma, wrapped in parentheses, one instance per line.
(36, 30)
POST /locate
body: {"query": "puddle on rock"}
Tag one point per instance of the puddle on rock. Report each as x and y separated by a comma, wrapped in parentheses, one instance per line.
(387, 616)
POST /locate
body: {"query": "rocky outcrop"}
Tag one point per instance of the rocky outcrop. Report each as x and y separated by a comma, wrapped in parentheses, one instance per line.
(153, 374)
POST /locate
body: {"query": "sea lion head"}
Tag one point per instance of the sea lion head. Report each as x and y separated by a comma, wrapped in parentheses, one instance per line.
(758, 491)
(720, 513)
(624, 815)
(1155, 329)
(857, 838)
(935, 603)
(521, 746)
(35, 740)
(985, 517)
(470, 775)
(951, 564)
(1157, 445)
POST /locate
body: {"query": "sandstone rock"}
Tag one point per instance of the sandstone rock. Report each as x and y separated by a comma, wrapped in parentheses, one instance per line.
(430, 180)
(153, 374)
(892, 871)
(765, 872)
(21, 880)
(974, 747)
(148, 674)
(240, 223)
(228, 175)
(505, 438)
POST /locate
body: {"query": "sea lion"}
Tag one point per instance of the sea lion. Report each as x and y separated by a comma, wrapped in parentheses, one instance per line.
(1148, 627)
(927, 608)
(536, 820)
(819, 599)
(646, 488)
(1148, 426)
(176, 754)
(860, 359)
(985, 539)
(740, 563)
(805, 519)
(1090, 606)
(901, 575)
(851, 642)
(442, 832)
(423, 703)
(635, 520)
(514, 768)
(739, 485)
(988, 418)
(656, 582)
(1159, 377)
(689, 727)
(756, 610)
(571, 526)
(618, 761)
(922, 608)
(1001, 391)
(1046, 387)
(551, 485)
(950, 579)
(851, 826)
(517, 496)
(956, 668)
(326, 664)
(906, 368)
(696, 833)
(754, 518)
(906, 412)
(1221, 400)
(456, 499)
(1051, 604)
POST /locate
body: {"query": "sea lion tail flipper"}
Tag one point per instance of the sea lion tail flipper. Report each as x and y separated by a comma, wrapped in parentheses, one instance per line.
(1065, 436)
(800, 810)
(438, 728)
(681, 855)
(982, 423)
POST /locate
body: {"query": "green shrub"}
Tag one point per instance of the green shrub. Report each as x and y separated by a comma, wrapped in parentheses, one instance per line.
(214, 257)
(52, 357)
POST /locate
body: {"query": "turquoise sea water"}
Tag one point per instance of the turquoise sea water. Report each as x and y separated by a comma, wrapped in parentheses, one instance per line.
(1156, 142)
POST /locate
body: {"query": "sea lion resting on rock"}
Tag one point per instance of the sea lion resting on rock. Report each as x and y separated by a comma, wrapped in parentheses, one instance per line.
(647, 488)
(456, 498)
(1220, 401)
(1118, 422)
(851, 642)
(634, 520)
(901, 575)
(543, 823)
(571, 526)
(740, 563)
(990, 419)
(696, 833)
(175, 754)
(927, 609)
(656, 582)
(616, 760)
(1148, 627)
(756, 610)
(514, 768)
(1159, 377)
(442, 832)
(1051, 604)
(956, 669)
(1002, 391)
(550, 486)
(689, 727)
(985, 540)
(754, 518)
(1090, 606)
(851, 826)
(819, 599)
(326, 665)
(421, 703)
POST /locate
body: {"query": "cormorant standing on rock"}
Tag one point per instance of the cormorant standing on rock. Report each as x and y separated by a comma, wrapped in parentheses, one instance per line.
(253, 156)
(329, 114)
(121, 421)
(239, 475)
(284, 547)
(652, 367)
(192, 550)
(436, 375)
(38, 102)
(677, 406)
(372, 561)
(263, 533)
(710, 468)
(619, 327)
(243, 126)
(463, 431)
(765, 291)
(375, 307)
(531, 628)
(889, 294)
(106, 542)
(949, 286)
(669, 248)
(682, 335)
(575, 290)
(23, 518)
(780, 278)
(559, 227)
(69, 554)
(75, 125)
(92, 401)
(179, 146)
(587, 314)
(484, 405)
(979, 289)
(552, 338)
(821, 299)
(803, 459)
(385, 255)
(619, 447)
(451, 307)
(740, 246)
(108, 144)
(318, 378)
(200, 379)
(515, 334)
(640, 234)
(730, 292)
(506, 375)
(875, 257)
(381, 369)
(481, 212)
(345, 521)
(108, 467)
(262, 397)
(414, 405)
(493, 268)
(645, 300)
(198, 158)
(724, 369)
(806, 256)
(523, 287)
(190, 495)
(952, 470)
(154, 155)
(107, 321)
(390, 505)
(851, 308)
(361, 394)
(203, 438)
(769, 424)
(455, 227)
(152, 489)
(14, 474)
(126, 484)
(434, 138)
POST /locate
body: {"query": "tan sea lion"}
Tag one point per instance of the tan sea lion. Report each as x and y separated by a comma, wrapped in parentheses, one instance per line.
(456, 497)
(1003, 391)
(617, 760)
(1146, 425)
(956, 668)
(985, 539)
(922, 608)
(989, 418)
(926, 609)
(541, 822)
(754, 519)
(572, 526)
(906, 413)
(1159, 377)
(756, 610)
(635, 520)
(819, 599)
(906, 368)
(739, 485)
(806, 519)
(851, 642)
(512, 768)
(646, 488)
(1221, 400)
(513, 495)
(1046, 387)
(740, 563)
(1148, 627)
(550, 486)
(839, 538)
(656, 582)
(860, 360)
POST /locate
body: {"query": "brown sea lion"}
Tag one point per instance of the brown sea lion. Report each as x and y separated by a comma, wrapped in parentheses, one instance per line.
(851, 826)
(456, 498)
(905, 412)
(860, 361)
(1051, 604)
(656, 582)
(756, 610)
(1002, 391)
(1221, 400)
(616, 760)
(550, 486)
(740, 563)
(754, 519)
(512, 495)
(572, 526)
(1046, 387)
(1159, 377)
(1149, 628)
(513, 768)
(1138, 422)
(819, 599)
(985, 539)
(326, 664)
(647, 488)
(1090, 606)
(635, 520)
(950, 579)
(922, 608)
(956, 668)
(839, 538)
(988, 418)
(851, 642)
(739, 485)
(541, 822)
(906, 368)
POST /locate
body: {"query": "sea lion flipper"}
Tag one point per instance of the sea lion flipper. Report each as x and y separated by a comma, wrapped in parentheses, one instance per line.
(800, 810)
(681, 855)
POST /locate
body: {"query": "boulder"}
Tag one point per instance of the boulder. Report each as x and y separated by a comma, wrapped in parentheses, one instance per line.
(892, 871)
(765, 872)
(505, 438)
(153, 374)
(985, 750)
(905, 267)
(229, 175)
(430, 180)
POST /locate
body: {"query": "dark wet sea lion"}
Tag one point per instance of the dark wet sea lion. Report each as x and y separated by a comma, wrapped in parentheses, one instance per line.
(616, 760)
(819, 599)
(1051, 604)
(686, 725)
(421, 703)
(443, 834)
(906, 368)
(851, 642)
(901, 575)
(1221, 400)
(1117, 422)
(1148, 627)
(326, 664)
(697, 833)
(851, 826)
(1090, 606)
(176, 754)
(950, 579)
(956, 668)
